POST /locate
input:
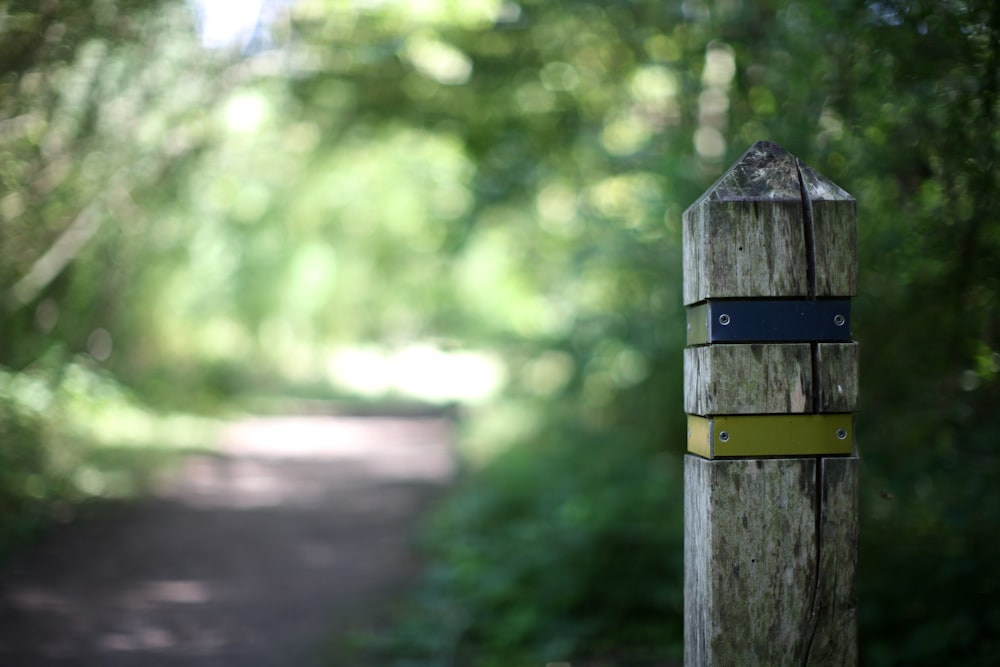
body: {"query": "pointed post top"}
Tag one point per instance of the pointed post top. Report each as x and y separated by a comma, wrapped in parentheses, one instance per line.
(770, 227)
(767, 172)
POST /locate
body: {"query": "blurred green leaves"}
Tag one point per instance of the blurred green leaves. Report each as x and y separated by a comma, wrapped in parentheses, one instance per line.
(528, 564)
(72, 435)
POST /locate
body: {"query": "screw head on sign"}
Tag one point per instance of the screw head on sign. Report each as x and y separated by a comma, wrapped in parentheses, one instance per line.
(724, 436)
(839, 320)
(724, 319)
(842, 433)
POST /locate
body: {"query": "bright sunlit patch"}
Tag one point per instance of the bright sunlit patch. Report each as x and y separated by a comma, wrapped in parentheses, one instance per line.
(365, 370)
(713, 103)
(245, 112)
(468, 13)
(422, 371)
(430, 373)
(438, 60)
(709, 142)
(175, 592)
(720, 65)
(556, 204)
(625, 134)
(227, 23)
(654, 83)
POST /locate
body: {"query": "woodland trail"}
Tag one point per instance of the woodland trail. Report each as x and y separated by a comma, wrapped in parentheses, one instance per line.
(297, 533)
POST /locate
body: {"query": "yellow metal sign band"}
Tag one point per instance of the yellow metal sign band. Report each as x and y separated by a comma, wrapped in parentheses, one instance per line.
(770, 435)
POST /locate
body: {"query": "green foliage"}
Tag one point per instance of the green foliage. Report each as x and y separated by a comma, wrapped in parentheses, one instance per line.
(918, 146)
(21, 461)
(72, 435)
(549, 554)
(97, 110)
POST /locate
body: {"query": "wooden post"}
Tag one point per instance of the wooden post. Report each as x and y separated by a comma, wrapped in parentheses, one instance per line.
(770, 374)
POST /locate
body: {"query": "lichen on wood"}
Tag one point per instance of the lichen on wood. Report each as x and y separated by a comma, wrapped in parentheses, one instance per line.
(752, 235)
(770, 562)
(762, 378)
(770, 547)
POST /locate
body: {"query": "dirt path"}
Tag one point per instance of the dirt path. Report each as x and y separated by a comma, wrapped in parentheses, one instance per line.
(298, 532)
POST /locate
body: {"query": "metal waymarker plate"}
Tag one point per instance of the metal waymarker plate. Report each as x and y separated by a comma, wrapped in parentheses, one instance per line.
(769, 320)
(770, 435)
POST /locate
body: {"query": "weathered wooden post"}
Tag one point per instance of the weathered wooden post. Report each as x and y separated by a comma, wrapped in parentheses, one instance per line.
(770, 375)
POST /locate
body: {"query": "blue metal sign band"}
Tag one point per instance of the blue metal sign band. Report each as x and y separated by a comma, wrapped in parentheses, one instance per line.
(769, 321)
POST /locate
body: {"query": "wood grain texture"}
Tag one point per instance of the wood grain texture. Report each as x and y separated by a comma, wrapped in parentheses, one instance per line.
(835, 234)
(752, 235)
(835, 608)
(744, 236)
(770, 544)
(770, 565)
(764, 378)
(837, 376)
(740, 248)
(770, 378)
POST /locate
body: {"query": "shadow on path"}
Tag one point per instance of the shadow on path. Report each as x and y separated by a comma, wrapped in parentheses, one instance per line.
(299, 530)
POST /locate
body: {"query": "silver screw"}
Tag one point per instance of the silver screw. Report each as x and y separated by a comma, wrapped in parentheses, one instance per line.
(724, 319)
(724, 436)
(839, 320)
(842, 433)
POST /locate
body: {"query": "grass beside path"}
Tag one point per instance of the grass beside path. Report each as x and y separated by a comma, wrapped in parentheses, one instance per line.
(74, 436)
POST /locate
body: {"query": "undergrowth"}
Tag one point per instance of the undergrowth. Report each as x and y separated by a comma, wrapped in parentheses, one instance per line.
(564, 548)
(71, 435)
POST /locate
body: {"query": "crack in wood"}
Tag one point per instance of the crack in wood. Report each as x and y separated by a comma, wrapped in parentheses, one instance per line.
(809, 235)
(807, 231)
(812, 620)
(771, 543)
